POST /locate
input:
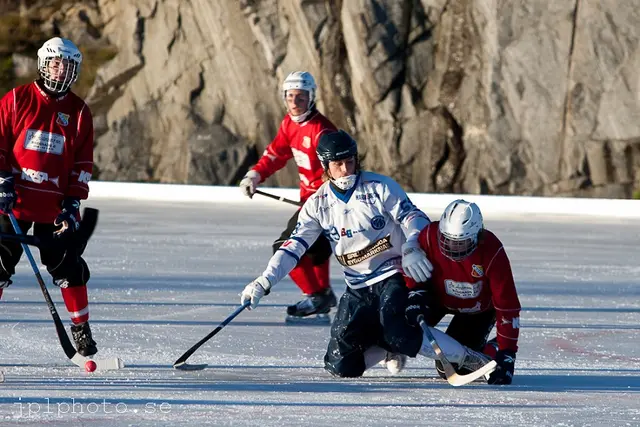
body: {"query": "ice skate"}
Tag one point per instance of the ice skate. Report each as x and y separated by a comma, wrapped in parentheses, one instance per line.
(394, 362)
(85, 345)
(314, 309)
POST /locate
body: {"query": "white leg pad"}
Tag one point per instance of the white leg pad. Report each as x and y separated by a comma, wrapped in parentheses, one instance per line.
(452, 349)
(373, 356)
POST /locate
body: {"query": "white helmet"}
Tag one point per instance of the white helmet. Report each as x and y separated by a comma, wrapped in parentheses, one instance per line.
(302, 80)
(55, 54)
(459, 228)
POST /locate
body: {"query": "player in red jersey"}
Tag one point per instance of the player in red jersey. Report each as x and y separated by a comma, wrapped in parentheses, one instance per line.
(298, 138)
(46, 161)
(472, 280)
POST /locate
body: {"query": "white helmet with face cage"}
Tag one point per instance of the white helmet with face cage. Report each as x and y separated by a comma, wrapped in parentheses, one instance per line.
(59, 64)
(459, 229)
(302, 80)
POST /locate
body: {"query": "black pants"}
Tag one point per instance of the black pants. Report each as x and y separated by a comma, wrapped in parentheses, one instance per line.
(469, 329)
(319, 252)
(366, 317)
(61, 257)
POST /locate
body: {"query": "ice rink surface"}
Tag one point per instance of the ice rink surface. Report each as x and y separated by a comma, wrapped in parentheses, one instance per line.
(163, 276)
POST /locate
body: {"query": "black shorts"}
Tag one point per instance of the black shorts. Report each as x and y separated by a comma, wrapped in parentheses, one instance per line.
(319, 252)
(366, 317)
(62, 258)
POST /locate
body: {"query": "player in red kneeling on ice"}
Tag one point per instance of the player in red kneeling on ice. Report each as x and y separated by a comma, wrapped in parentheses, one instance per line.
(46, 162)
(298, 138)
(472, 280)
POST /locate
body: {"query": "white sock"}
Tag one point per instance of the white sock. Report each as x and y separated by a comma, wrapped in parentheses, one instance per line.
(373, 356)
(452, 349)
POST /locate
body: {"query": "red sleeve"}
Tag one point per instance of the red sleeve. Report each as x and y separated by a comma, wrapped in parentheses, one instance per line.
(505, 300)
(275, 156)
(83, 157)
(6, 129)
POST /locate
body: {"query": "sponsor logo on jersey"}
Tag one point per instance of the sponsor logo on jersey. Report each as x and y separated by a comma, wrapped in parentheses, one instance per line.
(463, 290)
(44, 142)
(368, 198)
(378, 222)
(515, 322)
(38, 177)
(473, 309)
(373, 249)
(301, 158)
(63, 119)
(477, 270)
(346, 232)
(84, 177)
(306, 142)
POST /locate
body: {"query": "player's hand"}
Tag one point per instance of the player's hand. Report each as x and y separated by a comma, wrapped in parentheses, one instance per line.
(415, 263)
(506, 360)
(250, 182)
(7, 192)
(67, 221)
(416, 305)
(254, 291)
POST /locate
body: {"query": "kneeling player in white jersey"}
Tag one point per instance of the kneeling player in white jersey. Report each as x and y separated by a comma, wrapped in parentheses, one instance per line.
(367, 217)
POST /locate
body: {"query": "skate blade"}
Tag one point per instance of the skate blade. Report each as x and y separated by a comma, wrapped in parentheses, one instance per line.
(315, 319)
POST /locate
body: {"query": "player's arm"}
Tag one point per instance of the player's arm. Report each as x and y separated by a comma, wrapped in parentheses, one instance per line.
(275, 156)
(82, 169)
(412, 221)
(403, 211)
(505, 300)
(305, 233)
(507, 304)
(7, 185)
(6, 130)
(79, 176)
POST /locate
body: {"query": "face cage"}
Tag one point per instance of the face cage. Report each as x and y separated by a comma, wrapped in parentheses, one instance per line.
(52, 83)
(456, 249)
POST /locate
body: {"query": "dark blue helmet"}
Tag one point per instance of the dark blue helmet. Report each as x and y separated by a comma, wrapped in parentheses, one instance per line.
(336, 145)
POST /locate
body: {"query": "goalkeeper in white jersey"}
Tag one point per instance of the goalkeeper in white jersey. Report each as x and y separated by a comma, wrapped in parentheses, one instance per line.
(369, 220)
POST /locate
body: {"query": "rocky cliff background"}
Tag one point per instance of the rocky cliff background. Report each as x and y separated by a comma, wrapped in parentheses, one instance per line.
(535, 97)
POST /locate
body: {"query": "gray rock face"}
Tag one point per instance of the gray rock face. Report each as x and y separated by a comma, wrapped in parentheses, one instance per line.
(482, 96)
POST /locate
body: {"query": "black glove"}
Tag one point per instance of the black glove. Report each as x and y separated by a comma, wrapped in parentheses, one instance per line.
(67, 220)
(7, 192)
(506, 360)
(417, 304)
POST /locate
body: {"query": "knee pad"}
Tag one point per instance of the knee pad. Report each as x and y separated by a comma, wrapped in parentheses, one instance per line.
(350, 366)
(71, 274)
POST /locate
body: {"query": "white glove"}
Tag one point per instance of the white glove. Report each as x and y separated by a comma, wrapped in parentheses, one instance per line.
(254, 291)
(250, 182)
(415, 263)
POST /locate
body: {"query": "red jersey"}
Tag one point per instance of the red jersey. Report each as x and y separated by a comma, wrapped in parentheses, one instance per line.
(297, 140)
(48, 145)
(477, 283)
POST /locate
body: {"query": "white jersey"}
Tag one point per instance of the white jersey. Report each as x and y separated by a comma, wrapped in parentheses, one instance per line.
(366, 226)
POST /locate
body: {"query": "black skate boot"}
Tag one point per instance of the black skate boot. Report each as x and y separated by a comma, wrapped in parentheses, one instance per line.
(85, 345)
(317, 304)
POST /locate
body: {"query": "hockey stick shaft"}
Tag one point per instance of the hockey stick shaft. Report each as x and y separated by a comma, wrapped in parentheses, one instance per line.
(68, 348)
(280, 198)
(182, 359)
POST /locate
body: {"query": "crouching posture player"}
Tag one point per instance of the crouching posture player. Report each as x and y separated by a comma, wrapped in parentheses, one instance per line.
(472, 280)
(46, 161)
(368, 218)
